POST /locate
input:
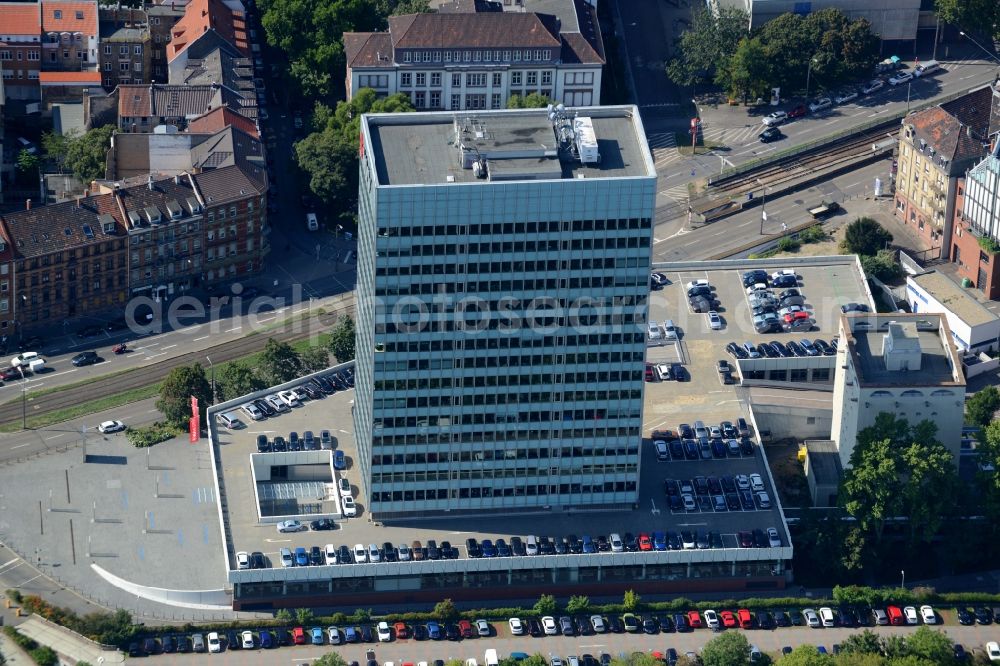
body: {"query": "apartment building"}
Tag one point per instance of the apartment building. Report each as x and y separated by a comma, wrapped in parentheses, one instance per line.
(143, 108)
(20, 49)
(70, 35)
(205, 25)
(171, 153)
(162, 19)
(126, 47)
(976, 237)
(519, 214)
(936, 147)
(476, 55)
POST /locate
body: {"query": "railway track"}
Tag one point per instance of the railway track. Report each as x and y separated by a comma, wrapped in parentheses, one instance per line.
(150, 374)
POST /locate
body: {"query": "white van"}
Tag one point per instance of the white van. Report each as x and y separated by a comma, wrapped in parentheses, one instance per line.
(37, 365)
(926, 68)
(491, 658)
(311, 222)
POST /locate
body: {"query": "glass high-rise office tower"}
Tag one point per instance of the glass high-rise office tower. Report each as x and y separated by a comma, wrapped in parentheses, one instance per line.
(503, 278)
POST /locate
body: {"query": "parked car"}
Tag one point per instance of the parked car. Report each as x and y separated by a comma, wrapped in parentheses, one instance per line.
(820, 104)
(873, 86)
(900, 78)
(85, 358)
(775, 118)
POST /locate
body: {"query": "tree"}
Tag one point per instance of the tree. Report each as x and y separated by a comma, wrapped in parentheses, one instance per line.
(304, 615)
(881, 265)
(315, 359)
(283, 615)
(330, 659)
(746, 74)
(934, 646)
(445, 610)
(87, 155)
(806, 655)
(975, 16)
(55, 145)
(175, 394)
(577, 604)
(728, 649)
(237, 378)
(865, 236)
(329, 155)
(278, 363)
(980, 408)
(631, 601)
(866, 642)
(342, 340)
(529, 101)
(27, 162)
(708, 44)
(546, 605)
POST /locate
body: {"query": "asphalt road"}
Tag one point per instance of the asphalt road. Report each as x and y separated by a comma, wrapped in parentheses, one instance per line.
(413, 651)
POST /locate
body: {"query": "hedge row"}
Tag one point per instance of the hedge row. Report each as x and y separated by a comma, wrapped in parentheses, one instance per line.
(146, 436)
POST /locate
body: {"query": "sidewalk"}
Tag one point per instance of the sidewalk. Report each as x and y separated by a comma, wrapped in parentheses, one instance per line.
(13, 653)
(67, 643)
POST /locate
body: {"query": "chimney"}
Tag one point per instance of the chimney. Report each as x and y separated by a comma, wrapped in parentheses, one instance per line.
(177, 179)
(149, 183)
(27, 204)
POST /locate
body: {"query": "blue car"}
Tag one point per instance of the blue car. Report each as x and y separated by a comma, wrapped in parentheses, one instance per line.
(316, 636)
(266, 640)
(301, 557)
(351, 635)
(434, 631)
(588, 544)
(487, 548)
(339, 461)
(659, 541)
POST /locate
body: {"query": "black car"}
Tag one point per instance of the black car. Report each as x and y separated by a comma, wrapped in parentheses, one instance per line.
(452, 633)
(183, 644)
(257, 560)
(169, 644)
(313, 392)
(681, 622)
(419, 632)
(322, 524)
(433, 552)
(736, 351)
(263, 446)
(649, 625)
(766, 350)
(615, 625)
(389, 552)
(545, 546)
(315, 556)
(780, 349)
(503, 550)
(325, 384)
(753, 277)
(960, 653)
(472, 548)
(583, 626)
(344, 555)
(759, 540)
(846, 616)
(630, 542)
(746, 446)
(765, 620)
(535, 629)
(965, 616)
(517, 546)
(784, 281)
(781, 619)
(700, 290)
(733, 501)
(666, 624)
(448, 551)
(795, 348)
(367, 635)
(151, 646)
(86, 358)
(824, 347)
(770, 134)
(279, 444)
(233, 641)
(983, 615)
(135, 650)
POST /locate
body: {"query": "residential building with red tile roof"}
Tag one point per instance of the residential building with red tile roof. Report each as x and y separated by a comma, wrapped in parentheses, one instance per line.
(206, 24)
(220, 118)
(70, 35)
(144, 108)
(21, 49)
(473, 54)
(936, 147)
(66, 87)
(163, 154)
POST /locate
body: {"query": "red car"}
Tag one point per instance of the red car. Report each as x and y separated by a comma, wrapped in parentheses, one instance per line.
(728, 619)
(796, 316)
(8, 374)
(745, 618)
(402, 631)
(798, 111)
(694, 619)
(895, 615)
(465, 627)
(645, 543)
(299, 636)
(649, 373)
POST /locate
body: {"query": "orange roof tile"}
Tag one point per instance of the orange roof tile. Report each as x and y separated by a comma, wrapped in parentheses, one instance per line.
(70, 77)
(200, 16)
(68, 21)
(220, 118)
(20, 18)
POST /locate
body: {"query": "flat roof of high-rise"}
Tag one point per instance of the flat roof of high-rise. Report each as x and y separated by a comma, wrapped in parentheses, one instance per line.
(938, 360)
(437, 148)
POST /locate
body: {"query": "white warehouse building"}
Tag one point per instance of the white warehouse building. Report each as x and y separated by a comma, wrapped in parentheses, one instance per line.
(974, 327)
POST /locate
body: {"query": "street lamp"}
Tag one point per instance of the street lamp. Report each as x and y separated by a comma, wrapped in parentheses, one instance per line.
(981, 47)
(763, 204)
(902, 583)
(24, 398)
(808, 74)
(212, 370)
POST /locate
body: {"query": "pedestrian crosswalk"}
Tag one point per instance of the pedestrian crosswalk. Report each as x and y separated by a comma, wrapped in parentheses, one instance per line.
(678, 193)
(664, 149)
(730, 136)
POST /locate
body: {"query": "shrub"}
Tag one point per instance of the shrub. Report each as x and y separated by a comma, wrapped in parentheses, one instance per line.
(882, 265)
(146, 436)
(14, 595)
(989, 245)
(788, 244)
(814, 234)
(44, 656)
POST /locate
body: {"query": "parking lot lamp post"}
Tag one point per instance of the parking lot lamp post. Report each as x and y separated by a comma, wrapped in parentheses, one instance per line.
(902, 583)
(808, 74)
(24, 399)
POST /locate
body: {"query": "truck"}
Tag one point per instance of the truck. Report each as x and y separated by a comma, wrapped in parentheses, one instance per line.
(824, 210)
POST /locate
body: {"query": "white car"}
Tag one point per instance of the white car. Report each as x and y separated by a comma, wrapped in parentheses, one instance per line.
(597, 622)
(286, 557)
(277, 403)
(654, 331)
(289, 398)
(756, 482)
(24, 358)
(549, 626)
(290, 526)
(901, 78)
(111, 426)
(403, 553)
(714, 320)
(482, 627)
(911, 615)
(763, 500)
(516, 626)
(334, 636)
(928, 615)
(617, 545)
(846, 96)
(826, 616)
(374, 554)
(344, 486)
(772, 538)
(350, 509)
(785, 272)
(873, 86)
(711, 619)
(214, 644)
(242, 560)
(252, 411)
(820, 104)
(775, 118)
(811, 618)
(759, 287)
(360, 553)
(384, 632)
(247, 640)
(743, 482)
(331, 553)
(993, 651)
(698, 283)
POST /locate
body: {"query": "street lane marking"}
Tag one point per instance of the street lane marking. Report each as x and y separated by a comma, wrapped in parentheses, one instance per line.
(55, 436)
(10, 562)
(169, 347)
(204, 337)
(20, 446)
